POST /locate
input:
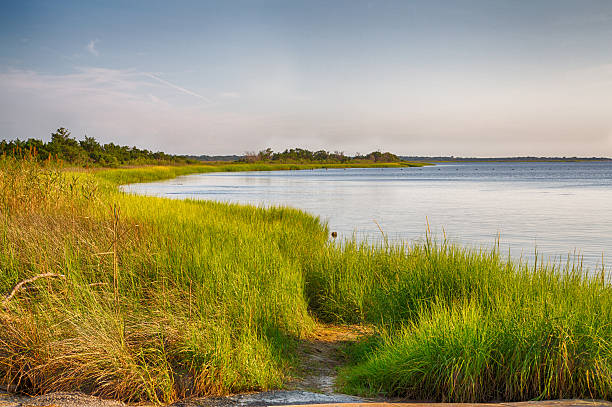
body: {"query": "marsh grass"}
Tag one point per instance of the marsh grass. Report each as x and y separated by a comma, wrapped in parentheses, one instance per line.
(153, 173)
(462, 325)
(160, 300)
(164, 299)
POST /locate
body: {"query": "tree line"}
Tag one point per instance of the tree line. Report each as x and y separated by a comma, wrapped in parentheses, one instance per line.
(64, 148)
(302, 156)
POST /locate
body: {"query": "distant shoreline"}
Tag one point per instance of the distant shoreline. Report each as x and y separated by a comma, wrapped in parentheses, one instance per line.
(149, 173)
(502, 159)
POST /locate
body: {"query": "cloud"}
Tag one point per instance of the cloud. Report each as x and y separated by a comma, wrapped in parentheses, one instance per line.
(91, 47)
(179, 88)
(229, 95)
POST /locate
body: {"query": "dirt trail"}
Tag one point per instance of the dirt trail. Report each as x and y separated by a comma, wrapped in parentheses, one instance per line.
(321, 354)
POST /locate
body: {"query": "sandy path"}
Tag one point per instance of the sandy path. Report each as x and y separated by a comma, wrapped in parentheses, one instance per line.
(321, 355)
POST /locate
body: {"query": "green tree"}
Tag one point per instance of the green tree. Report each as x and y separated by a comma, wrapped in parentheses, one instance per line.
(265, 155)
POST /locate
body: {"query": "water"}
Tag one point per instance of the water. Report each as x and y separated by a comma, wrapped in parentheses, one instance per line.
(558, 208)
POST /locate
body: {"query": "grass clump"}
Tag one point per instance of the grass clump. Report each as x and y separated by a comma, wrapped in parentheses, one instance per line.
(465, 353)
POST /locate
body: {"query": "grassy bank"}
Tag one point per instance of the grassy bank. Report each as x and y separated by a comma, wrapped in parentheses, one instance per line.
(151, 299)
(155, 173)
(142, 298)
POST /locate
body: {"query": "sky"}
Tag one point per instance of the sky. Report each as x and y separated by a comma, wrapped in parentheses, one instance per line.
(462, 78)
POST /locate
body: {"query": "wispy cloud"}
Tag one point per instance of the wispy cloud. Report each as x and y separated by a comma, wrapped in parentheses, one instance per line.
(229, 95)
(179, 88)
(91, 47)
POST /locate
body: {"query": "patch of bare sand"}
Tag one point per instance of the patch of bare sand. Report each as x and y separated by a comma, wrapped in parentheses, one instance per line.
(321, 354)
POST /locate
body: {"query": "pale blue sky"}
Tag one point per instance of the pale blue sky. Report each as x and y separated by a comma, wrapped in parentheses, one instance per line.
(486, 78)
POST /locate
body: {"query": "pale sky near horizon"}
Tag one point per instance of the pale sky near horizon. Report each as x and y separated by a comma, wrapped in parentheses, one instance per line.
(463, 78)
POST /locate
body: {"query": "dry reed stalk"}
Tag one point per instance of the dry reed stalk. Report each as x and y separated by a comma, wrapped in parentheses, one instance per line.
(115, 234)
(21, 285)
(379, 228)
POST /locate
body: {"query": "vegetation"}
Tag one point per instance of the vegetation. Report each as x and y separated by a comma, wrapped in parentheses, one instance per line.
(66, 149)
(151, 173)
(89, 152)
(300, 155)
(146, 299)
(465, 326)
(143, 298)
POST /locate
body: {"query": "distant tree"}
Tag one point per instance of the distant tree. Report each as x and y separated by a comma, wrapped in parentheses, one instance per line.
(320, 155)
(92, 148)
(250, 157)
(265, 155)
(66, 147)
(90, 145)
(386, 157)
(339, 156)
(60, 137)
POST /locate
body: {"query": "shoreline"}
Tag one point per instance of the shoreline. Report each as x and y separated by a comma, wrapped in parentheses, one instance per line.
(123, 176)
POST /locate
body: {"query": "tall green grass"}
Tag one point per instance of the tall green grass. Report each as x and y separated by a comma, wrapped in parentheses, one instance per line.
(466, 352)
(143, 298)
(461, 325)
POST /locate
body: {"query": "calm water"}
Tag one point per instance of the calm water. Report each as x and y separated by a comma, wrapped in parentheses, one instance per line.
(558, 208)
